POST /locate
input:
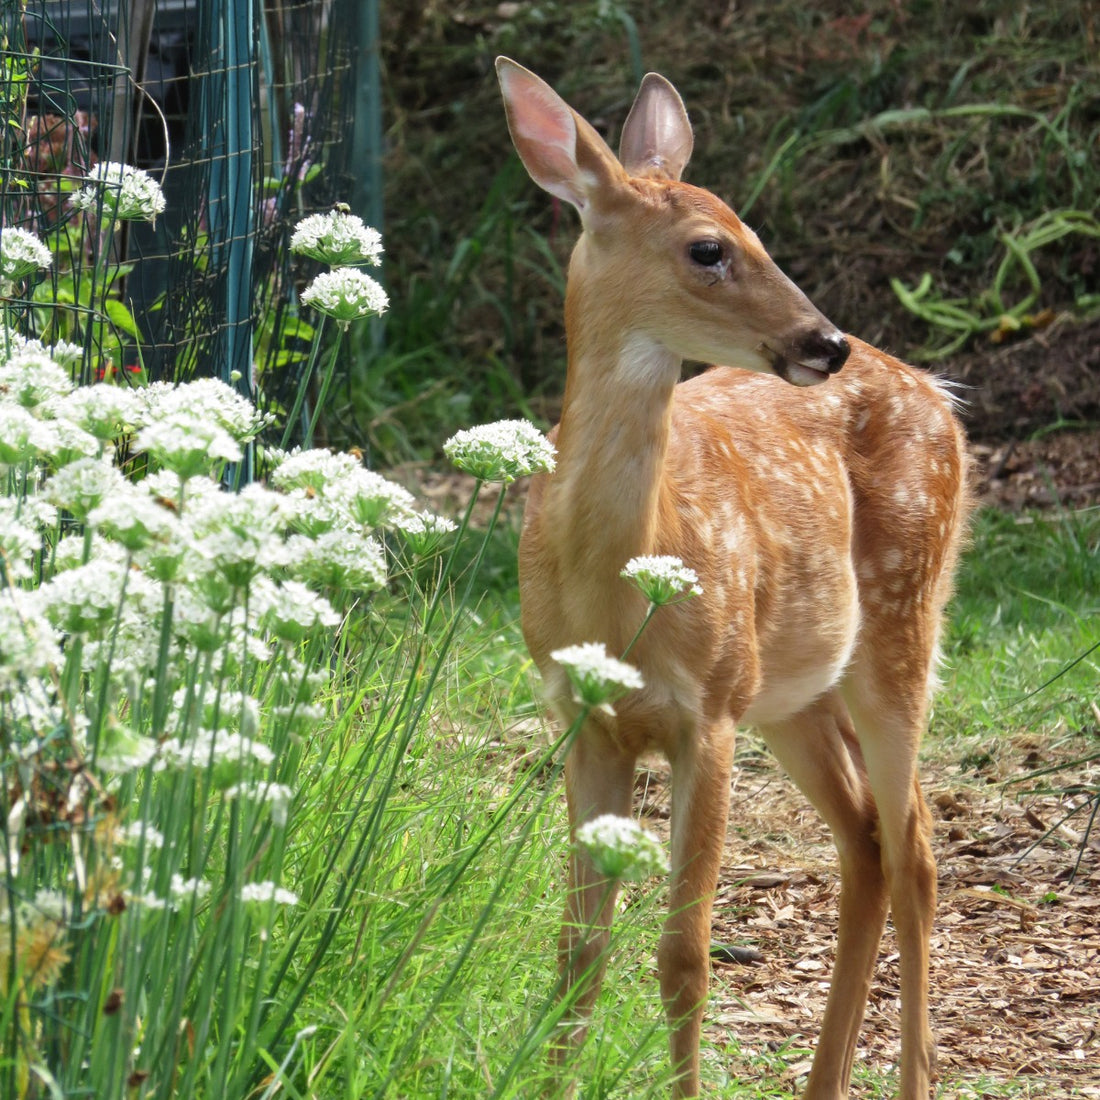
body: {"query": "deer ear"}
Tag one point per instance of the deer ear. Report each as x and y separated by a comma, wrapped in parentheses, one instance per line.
(657, 139)
(560, 151)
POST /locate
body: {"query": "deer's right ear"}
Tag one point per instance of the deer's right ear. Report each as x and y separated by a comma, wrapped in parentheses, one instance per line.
(560, 151)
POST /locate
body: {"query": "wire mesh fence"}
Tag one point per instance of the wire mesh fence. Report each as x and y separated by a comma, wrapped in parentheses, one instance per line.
(244, 111)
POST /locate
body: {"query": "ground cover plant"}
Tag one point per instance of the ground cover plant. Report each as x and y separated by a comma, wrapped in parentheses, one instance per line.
(173, 643)
(250, 845)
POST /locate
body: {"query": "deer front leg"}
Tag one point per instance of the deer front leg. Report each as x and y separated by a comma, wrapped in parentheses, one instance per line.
(599, 779)
(700, 810)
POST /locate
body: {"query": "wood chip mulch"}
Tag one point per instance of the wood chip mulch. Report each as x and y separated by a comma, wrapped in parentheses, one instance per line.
(1015, 976)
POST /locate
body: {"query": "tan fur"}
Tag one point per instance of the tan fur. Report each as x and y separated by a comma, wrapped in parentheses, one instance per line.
(824, 525)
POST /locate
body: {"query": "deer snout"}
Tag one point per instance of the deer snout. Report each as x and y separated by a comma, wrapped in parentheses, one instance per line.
(830, 349)
(810, 358)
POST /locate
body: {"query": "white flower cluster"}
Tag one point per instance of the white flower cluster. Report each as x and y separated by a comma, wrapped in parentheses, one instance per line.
(345, 294)
(181, 891)
(62, 352)
(276, 795)
(172, 567)
(341, 240)
(123, 192)
(621, 849)
(193, 428)
(337, 239)
(662, 579)
(29, 377)
(140, 834)
(330, 493)
(21, 254)
(597, 678)
(501, 451)
(261, 892)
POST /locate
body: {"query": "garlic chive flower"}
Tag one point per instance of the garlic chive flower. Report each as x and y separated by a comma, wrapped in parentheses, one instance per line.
(134, 518)
(369, 500)
(662, 578)
(140, 833)
(83, 485)
(276, 795)
(187, 445)
(337, 239)
(207, 400)
(292, 611)
(501, 451)
(424, 532)
(22, 436)
(29, 645)
(20, 540)
(621, 849)
(31, 378)
(345, 295)
(268, 891)
(125, 193)
(62, 352)
(597, 678)
(21, 254)
(104, 411)
(312, 470)
(336, 560)
(85, 599)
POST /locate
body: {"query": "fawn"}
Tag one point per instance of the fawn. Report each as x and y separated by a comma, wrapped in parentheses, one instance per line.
(823, 521)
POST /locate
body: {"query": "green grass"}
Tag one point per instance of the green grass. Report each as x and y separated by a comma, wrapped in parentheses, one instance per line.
(473, 952)
(1027, 608)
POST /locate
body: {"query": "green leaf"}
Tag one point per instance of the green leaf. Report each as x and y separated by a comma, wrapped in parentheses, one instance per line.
(121, 317)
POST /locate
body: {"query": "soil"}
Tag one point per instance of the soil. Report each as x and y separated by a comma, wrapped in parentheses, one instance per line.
(1032, 411)
(1015, 969)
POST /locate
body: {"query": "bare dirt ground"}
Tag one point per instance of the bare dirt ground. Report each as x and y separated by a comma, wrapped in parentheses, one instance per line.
(1015, 974)
(1062, 469)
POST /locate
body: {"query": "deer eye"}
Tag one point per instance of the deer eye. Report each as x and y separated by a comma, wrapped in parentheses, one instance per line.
(707, 253)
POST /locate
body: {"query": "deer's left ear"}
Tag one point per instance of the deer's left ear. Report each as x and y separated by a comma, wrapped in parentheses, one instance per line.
(657, 139)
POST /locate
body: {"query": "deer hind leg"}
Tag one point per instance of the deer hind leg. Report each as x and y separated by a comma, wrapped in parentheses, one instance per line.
(818, 749)
(599, 779)
(887, 696)
(700, 810)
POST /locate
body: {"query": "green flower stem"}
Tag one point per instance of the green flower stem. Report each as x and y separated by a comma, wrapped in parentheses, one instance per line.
(100, 271)
(650, 612)
(449, 562)
(260, 1004)
(326, 382)
(375, 789)
(229, 920)
(303, 384)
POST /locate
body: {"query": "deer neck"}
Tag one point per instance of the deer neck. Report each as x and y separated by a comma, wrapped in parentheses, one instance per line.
(603, 502)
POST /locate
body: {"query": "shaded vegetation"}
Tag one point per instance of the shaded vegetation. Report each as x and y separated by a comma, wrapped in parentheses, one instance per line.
(899, 141)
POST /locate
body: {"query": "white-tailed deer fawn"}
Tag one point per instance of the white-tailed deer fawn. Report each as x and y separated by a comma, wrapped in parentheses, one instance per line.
(823, 523)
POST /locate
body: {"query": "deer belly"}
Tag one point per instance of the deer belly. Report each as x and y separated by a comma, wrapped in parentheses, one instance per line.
(805, 653)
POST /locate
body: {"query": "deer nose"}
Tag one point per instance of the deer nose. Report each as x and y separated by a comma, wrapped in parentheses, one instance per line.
(838, 350)
(830, 349)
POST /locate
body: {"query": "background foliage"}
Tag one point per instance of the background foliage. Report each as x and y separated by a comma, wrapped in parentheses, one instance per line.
(863, 147)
